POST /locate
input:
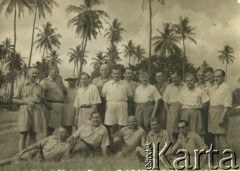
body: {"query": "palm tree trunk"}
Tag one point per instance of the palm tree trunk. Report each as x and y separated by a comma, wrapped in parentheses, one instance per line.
(34, 22)
(129, 63)
(226, 72)
(184, 60)
(14, 55)
(84, 44)
(150, 37)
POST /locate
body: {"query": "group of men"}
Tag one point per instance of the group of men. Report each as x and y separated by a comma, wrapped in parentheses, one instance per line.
(121, 115)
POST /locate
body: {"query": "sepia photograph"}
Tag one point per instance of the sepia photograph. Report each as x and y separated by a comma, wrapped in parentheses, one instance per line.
(119, 85)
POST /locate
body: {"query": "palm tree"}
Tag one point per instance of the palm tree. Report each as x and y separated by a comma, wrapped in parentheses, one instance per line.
(99, 59)
(185, 31)
(77, 56)
(41, 7)
(53, 58)
(42, 68)
(139, 54)
(47, 38)
(150, 31)
(165, 43)
(14, 6)
(113, 55)
(6, 49)
(88, 23)
(129, 51)
(226, 56)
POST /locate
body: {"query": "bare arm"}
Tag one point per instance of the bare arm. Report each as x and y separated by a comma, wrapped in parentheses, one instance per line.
(223, 115)
(104, 151)
(166, 105)
(155, 109)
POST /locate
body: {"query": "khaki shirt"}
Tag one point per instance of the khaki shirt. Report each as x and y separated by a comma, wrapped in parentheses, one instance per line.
(133, 137)
(53, 90)
(116, 91)
(94, 136)
(99, 82)
(51, 147)
(193, 98)
(27, 91)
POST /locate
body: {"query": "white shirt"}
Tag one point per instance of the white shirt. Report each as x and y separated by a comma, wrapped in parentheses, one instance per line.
(116, 91)
(87, 96)
(146, 94)
(172, 92)
(192, 98)
(220, 95)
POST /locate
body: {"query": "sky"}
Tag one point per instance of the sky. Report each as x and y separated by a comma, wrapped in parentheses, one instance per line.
(216, 22)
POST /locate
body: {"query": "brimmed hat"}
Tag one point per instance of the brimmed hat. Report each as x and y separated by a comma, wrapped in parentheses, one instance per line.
(72, 78)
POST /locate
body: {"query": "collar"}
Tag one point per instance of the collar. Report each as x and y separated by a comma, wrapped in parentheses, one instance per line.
(119, 82)
(160, 134)
(193, 90)
(28, 83)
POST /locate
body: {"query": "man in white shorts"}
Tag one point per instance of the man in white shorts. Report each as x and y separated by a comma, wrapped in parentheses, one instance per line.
(117, 93)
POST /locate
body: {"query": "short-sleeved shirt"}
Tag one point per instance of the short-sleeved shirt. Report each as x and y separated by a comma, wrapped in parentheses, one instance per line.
(162, 137)
(133, 137)
(28, 91)
(95, 136)
(192, 98)
(191, 142)
(172, 92)
(116, 91)
(53, 90)
(52, 148)
(133, 85)
(87, 96)
(99, 82)
(146, 94)
(220, 95)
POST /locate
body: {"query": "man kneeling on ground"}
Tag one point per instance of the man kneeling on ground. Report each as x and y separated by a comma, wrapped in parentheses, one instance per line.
(50, 149)
(88, 138)
(129, 137)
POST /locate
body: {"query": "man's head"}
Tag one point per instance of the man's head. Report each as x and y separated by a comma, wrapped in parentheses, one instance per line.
(159, 77)
(54, 72)
(32, 74)
(128, 75)
(190, 81)
(155, 124)
(219, 76)
(132, 122)
(175, 78)
(95, 119)
(104, 70)
(144, 78)
(183, 127)
(200, 76)
(116, 74)
(71, 81)
(85, 79)
(209, 75)
(63, 133)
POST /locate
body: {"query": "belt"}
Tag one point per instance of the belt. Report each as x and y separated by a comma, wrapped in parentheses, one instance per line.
(146, 103)
(85, 106)
(54, 101)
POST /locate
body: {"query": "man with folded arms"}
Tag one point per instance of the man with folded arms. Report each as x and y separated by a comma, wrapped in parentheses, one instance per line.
(86, 101)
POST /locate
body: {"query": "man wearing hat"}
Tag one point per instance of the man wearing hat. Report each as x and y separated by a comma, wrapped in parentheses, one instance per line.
(68, 117)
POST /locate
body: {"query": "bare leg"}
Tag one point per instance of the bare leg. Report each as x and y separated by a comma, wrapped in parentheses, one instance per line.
(22, 140)
(32, 137)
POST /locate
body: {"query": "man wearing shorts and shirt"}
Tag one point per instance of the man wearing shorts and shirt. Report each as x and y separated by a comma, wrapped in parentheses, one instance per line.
(86, 101)
(117, 93)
